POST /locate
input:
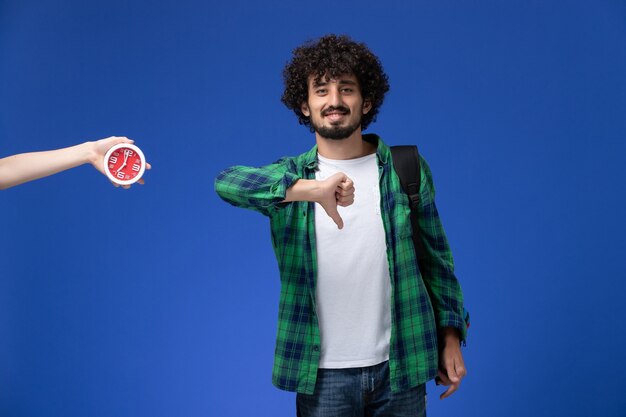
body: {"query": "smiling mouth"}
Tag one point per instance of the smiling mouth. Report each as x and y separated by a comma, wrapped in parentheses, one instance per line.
(335, 114)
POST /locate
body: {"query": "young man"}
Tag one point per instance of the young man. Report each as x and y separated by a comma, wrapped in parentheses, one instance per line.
(361, 328)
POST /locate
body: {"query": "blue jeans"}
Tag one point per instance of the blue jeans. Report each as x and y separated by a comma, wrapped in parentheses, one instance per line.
(360, 392)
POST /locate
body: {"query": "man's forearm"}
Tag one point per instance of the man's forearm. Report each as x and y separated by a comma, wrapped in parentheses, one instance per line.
(261, 189)
(303, 190)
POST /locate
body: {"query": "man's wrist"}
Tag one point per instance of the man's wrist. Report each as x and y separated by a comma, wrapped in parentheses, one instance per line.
(303, 190)
(450, 335)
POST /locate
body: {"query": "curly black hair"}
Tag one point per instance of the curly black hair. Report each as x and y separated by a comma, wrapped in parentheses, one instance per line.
(333, 56)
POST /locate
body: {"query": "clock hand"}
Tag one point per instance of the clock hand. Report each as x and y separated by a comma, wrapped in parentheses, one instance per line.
(126, 155)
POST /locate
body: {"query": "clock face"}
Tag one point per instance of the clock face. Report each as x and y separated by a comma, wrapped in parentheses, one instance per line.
(124, 164)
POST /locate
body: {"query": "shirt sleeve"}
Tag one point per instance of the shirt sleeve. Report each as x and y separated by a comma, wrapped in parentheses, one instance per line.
(437, 266)
(261, 189)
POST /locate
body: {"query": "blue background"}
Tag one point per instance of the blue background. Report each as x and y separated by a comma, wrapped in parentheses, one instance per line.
(519, 107)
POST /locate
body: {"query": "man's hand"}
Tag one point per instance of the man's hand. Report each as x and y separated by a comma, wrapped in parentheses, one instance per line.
(451, 366)
(100, 148)
(336, 190)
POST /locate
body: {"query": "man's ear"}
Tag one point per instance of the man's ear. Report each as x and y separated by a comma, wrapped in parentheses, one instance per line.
(367, 106)
(304, 108)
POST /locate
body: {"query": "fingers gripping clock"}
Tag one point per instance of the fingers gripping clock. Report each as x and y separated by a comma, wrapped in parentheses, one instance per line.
(124, 164)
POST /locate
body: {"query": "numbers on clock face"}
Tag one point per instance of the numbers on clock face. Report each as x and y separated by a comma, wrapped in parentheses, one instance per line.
(124, 164)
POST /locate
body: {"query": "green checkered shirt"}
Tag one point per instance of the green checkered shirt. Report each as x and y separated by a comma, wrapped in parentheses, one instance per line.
(421, 301)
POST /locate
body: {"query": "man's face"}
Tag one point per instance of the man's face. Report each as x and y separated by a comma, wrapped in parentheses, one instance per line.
(335, 106)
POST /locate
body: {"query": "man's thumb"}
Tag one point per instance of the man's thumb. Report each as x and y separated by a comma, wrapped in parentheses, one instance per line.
(334, 214)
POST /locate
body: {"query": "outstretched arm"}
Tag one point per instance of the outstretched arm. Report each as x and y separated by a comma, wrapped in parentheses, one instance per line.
(21, 168)
(265, 189)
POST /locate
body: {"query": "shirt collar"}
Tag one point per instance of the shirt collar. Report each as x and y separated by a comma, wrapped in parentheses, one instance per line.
(382, 152)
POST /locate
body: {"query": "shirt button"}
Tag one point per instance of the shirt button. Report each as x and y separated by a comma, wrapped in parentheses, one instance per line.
(316, 348)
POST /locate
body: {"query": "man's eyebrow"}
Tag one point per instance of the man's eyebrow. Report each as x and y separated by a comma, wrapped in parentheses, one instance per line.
(321, 83)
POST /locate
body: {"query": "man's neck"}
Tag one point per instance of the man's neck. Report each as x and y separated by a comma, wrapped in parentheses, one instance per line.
(350, 148)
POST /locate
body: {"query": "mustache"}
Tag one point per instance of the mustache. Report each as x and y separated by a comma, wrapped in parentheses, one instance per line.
(331, 109)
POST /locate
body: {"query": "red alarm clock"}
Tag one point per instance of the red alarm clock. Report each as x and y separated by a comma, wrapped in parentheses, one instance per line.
(124, 164)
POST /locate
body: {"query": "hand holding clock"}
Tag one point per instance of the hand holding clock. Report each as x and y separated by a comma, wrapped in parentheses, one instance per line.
(107, 154)
(20, 168)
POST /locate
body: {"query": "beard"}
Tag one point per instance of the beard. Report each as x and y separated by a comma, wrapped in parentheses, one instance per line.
(335, 132)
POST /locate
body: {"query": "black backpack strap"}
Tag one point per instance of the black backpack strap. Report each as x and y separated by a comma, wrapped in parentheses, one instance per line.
(406, 162)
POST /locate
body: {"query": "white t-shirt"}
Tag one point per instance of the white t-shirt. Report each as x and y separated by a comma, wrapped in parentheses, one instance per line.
(353, 285)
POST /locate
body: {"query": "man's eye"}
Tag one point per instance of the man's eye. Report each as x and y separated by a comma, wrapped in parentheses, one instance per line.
(320, 91)
(347, 90)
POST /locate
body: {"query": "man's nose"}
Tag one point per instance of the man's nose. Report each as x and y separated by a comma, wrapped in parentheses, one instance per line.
(334, 97)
